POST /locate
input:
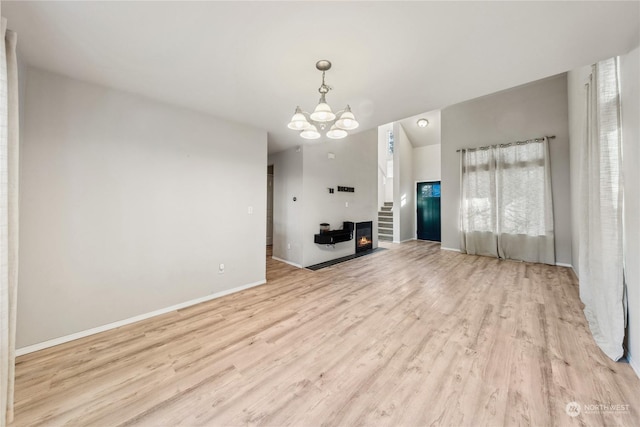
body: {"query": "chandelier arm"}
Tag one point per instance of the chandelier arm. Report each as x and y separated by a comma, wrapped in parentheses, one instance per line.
(322, 124)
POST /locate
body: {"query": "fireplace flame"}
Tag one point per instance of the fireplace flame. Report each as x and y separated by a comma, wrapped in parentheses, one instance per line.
(363, 241)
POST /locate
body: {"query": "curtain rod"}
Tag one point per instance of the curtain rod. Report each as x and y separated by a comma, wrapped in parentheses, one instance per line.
(510, 143)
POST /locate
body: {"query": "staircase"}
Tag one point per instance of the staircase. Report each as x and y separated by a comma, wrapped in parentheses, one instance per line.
(385, 222)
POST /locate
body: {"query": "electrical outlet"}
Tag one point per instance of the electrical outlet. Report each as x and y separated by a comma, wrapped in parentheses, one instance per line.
(250, 210)
(221, 269)
(346, 204)
(288, 245)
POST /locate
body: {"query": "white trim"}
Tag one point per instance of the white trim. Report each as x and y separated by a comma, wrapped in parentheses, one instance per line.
(286, 262)
(408, 240)
(61, 340)
(449, 249)
(634, 365)
(562, 264)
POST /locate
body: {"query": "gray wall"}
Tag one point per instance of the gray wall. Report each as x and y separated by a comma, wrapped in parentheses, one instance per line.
(307, 173)
(287, 214)
(355, 165)
(129, 205)
(532, 110)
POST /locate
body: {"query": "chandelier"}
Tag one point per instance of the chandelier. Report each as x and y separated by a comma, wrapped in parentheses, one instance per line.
(322, 117)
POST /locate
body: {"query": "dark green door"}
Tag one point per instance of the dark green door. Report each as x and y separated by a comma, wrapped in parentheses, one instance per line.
(428, 214)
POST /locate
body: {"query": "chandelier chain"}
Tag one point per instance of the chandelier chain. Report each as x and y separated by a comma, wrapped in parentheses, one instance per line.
(324, 88)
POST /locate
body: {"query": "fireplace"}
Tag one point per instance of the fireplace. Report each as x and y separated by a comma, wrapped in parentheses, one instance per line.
(364, 236)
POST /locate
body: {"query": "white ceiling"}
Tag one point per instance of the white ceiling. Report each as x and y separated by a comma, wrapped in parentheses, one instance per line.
(253, 62)
(418, 136)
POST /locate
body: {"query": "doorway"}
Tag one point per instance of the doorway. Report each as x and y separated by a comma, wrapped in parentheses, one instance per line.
(428, 211)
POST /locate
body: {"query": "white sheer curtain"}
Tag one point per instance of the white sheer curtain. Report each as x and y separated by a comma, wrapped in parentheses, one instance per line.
(601, 269)
(525, 206)
(506, 207)
(8, 218)
(477, 206)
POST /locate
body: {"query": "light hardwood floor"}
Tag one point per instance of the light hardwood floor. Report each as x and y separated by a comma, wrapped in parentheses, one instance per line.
(407, 336)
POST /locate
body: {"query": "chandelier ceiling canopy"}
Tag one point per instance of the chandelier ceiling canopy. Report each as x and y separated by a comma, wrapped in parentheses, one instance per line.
(322, 117)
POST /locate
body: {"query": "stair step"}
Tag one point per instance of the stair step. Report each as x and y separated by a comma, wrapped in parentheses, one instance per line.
(388, 203)
(388, 219)
(386, 208)
(385, 214)
(385, 231)
(385, 238)
(388, 224)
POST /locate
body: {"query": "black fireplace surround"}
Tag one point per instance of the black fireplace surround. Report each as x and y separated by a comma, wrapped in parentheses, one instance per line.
(364, 236)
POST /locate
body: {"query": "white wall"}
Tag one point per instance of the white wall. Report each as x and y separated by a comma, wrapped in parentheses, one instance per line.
(354, 165)
(385, 180)
(576, 94)
(630, 76)
(630, 95)
(426, 167)
(287, 213)
(426, 163)
(532, 110)
(404, 216)
(129, 205)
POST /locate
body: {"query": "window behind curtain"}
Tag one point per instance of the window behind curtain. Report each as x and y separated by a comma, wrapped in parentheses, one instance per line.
(506, 208)
(479, 191)
(521, 186)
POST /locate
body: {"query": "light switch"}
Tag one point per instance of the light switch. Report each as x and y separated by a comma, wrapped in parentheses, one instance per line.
(250, 210)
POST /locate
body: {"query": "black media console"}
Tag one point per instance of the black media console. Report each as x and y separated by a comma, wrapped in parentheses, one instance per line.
(335, 236)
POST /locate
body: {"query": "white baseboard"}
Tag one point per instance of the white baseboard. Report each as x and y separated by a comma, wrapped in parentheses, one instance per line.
(575, 272)
(449, 249)
(103, 328)
(402, 241)
(562, 264)
(634, 365)
(286, 262)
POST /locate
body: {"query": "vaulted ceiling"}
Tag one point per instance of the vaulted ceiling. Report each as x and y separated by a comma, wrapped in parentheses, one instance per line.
(253, 62)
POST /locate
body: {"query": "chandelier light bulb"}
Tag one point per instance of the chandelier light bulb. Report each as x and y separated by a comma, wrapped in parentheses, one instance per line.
(298, 121)
(323, 113)
(323, 117)
(347, 120)
(310, 133)
(336, 133)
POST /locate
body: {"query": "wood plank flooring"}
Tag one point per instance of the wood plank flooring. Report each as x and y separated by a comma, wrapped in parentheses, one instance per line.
(410, 336)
